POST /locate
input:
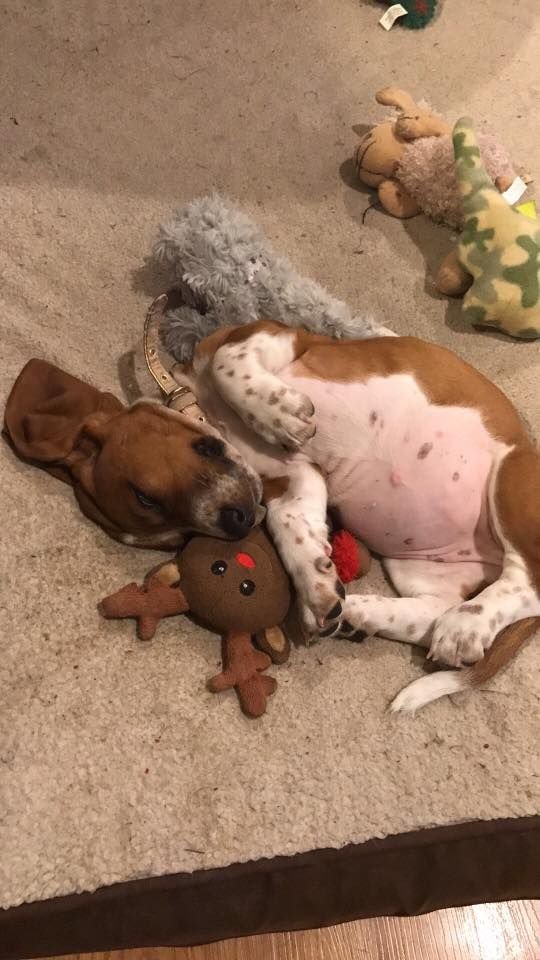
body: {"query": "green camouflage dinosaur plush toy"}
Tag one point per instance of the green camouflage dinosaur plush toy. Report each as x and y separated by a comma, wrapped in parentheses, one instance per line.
(498, 247)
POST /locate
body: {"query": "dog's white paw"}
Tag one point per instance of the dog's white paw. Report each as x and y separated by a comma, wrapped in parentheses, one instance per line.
(283, 417)
(320, 595)
(462, 635)
(366, 613)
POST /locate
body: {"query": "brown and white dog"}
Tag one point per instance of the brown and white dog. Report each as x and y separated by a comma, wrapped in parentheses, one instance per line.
(425, 460)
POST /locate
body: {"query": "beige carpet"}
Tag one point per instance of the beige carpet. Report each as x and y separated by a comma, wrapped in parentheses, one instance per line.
(115, 761)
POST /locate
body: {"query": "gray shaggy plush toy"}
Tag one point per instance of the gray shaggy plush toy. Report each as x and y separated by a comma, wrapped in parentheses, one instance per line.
(228, 274)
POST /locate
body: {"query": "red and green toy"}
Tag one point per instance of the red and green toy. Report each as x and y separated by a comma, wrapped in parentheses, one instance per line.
(419, 13)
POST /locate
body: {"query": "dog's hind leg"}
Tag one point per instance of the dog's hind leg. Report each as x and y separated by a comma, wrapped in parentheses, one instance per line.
(463, 635)
(427, 590)
(492, 627)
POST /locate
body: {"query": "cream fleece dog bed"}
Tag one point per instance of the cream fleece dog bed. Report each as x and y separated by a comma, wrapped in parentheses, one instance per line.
(116, 766)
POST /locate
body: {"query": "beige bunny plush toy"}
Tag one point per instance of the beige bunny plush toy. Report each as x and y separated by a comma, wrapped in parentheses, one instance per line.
(409, 160)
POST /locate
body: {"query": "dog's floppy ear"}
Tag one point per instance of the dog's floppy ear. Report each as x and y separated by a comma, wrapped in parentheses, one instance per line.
(95, 428)
(48, 412)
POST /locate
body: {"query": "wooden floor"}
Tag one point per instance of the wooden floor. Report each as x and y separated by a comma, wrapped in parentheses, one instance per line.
(506, 931)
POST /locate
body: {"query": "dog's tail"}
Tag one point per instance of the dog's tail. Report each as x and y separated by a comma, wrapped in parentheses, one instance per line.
(440, 684)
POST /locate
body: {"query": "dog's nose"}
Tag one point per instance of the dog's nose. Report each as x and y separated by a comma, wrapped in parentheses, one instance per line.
(236, 521)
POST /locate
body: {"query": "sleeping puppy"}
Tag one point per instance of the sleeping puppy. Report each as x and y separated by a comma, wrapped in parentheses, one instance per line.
(146, 474)
(157, 475)
(425, 460)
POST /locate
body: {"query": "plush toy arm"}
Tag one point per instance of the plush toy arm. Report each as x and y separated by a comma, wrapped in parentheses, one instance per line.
(242, 670)
(126, 602)
(396, 201)
(148, 604)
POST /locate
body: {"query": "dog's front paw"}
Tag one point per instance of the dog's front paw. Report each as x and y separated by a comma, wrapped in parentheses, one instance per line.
(363, 614)
(321, 595)
(284, 417)
(461, 635)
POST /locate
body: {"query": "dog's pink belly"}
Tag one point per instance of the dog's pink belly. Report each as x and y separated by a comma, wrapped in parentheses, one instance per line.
(408, 477)
(399, 514)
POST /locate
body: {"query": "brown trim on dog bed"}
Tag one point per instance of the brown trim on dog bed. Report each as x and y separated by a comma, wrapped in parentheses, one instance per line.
(406, 874)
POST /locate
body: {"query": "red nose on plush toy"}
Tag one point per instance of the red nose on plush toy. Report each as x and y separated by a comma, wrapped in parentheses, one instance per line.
(245, 560)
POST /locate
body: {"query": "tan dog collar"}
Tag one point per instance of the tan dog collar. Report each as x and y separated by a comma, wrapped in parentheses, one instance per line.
(179, 398)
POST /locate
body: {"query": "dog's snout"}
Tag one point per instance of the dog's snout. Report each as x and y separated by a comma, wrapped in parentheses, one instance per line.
(236, 521)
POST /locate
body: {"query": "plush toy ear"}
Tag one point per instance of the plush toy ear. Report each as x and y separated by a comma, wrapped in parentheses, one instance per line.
(415, 121)
(167, 574)
(275, 643)
(394, 97)
(293, 626)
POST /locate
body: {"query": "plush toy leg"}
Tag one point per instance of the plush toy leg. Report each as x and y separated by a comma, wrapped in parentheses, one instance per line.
(452, 279)
(242, 670)
(395, 200)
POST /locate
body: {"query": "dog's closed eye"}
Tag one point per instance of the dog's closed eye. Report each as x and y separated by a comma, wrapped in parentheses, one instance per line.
(145, 501)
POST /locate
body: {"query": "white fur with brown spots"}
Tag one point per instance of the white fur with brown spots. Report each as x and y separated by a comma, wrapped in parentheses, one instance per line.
(449, 457)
